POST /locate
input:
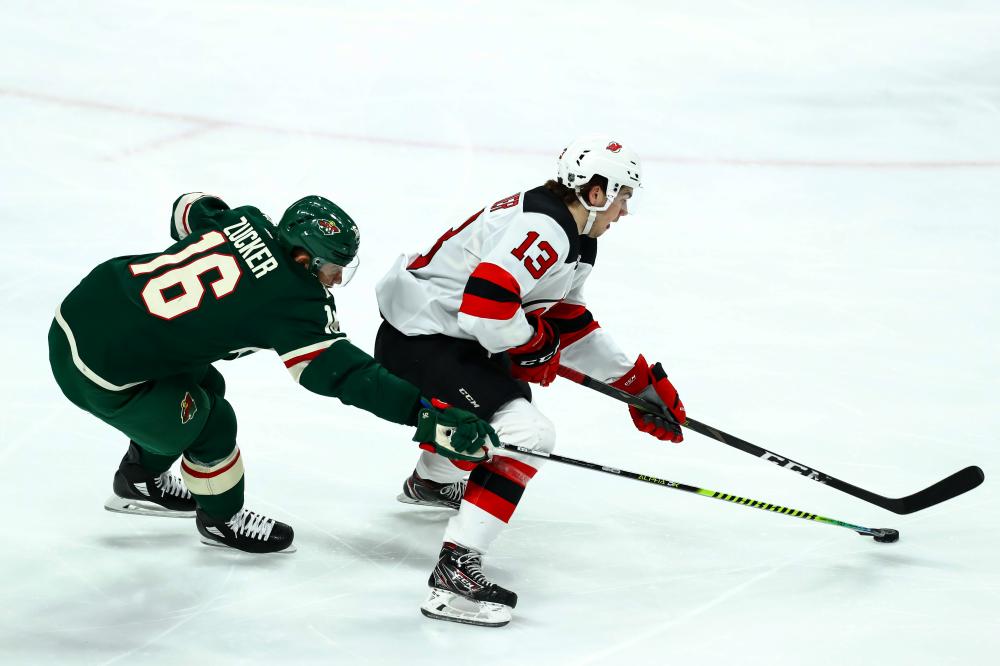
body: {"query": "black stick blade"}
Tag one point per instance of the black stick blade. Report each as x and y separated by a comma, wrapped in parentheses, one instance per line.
(960, 482)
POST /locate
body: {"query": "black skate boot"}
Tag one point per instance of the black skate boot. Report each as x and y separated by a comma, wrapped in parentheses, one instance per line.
(461, 593)
(139, 492)
(246, 531)
(431, 493)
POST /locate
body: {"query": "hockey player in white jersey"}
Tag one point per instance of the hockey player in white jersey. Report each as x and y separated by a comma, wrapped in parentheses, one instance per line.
(495, 303)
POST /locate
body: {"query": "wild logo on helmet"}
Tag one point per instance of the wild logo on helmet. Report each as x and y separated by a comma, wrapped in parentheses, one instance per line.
(328, 227)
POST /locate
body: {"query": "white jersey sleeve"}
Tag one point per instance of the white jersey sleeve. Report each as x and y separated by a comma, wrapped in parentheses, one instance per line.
(586, 347)
(515, 263)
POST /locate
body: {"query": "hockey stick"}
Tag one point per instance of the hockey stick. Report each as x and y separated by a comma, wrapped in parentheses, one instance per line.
(880, 534)
(960, 482)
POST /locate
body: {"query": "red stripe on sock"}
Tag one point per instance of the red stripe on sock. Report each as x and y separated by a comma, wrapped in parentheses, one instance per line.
(489, 502)
(515, 470)
(208, 475)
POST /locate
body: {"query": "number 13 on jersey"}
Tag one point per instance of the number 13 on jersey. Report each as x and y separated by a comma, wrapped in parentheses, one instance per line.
(540, 263)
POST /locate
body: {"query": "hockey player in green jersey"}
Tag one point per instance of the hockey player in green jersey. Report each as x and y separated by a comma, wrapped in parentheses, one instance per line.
(133, 345)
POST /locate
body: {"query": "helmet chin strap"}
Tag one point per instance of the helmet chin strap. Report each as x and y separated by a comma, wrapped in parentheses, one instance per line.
(592, 212)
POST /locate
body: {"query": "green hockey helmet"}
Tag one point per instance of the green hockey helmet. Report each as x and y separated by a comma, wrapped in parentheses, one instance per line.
(325, 231)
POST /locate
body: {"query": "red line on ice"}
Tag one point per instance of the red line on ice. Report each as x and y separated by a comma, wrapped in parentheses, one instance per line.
(214, 123)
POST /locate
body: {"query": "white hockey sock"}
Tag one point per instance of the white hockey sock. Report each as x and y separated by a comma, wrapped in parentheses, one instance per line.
(474, 528)
(438, 468)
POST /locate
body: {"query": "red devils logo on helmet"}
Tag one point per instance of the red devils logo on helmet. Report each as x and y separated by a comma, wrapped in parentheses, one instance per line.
(614, 146)
(188, 408)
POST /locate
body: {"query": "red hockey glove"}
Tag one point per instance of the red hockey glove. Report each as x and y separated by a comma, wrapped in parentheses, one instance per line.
(652, 384)
(537, 360)
(454, 433)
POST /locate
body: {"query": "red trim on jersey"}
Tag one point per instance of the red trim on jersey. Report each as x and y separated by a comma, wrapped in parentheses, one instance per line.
(565, 311)
(423, 260)
(511, 468)
(466, 465)
(486, 308)
(489, 502)
(208, 475)
(566, 339)
(498, 276)
(184, 216)
(305, 357)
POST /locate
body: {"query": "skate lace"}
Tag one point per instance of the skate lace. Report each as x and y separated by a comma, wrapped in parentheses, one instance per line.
(454, 491)
(472, 565)
(171, 485)
(251, 524)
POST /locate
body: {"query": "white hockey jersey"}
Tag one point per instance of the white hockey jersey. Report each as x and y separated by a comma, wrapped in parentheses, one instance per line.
(521, 254)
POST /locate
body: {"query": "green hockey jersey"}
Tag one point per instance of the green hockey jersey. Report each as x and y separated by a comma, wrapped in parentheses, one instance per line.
(224, 288)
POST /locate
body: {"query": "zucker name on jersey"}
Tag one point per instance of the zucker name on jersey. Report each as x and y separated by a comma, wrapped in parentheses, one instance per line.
(498, 302)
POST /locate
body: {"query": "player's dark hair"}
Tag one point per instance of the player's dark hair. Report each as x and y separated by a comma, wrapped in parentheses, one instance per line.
(567, 194)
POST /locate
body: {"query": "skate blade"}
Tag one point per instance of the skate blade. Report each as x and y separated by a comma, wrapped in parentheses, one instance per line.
(142, 508)
(443, 605)
(419, 502)
(218, 544)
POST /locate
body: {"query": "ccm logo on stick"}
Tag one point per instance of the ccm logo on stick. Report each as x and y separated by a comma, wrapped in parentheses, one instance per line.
(794, 466)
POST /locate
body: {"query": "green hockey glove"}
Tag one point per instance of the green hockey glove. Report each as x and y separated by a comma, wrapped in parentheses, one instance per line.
(453, 433)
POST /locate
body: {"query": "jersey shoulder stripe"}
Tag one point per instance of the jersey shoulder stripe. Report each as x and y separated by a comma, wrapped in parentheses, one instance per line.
(488, 308)
(491, 293)
(541, 200)
(497, 282)
(190, 210)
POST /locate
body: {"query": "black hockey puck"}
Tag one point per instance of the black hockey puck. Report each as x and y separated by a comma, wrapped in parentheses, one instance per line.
(889, 536)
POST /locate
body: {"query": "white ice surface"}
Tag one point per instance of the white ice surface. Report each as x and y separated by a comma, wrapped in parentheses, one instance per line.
(813, 258)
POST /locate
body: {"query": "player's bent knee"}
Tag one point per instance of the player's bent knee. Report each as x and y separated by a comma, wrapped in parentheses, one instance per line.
(217, 438)
(545, 434)
(521, 424)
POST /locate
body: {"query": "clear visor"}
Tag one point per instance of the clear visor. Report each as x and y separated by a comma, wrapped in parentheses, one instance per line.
(331, 274)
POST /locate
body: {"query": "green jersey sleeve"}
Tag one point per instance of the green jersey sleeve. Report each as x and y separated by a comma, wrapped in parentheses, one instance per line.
(194, 212)
(320, 358)
(343, 371)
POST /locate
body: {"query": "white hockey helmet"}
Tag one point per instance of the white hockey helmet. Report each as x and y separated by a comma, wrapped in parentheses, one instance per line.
(591, 156)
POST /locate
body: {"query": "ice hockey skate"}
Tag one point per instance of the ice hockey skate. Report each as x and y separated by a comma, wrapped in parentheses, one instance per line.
(247, 531)
(460, 592)
(138, 492)
(425, 492)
